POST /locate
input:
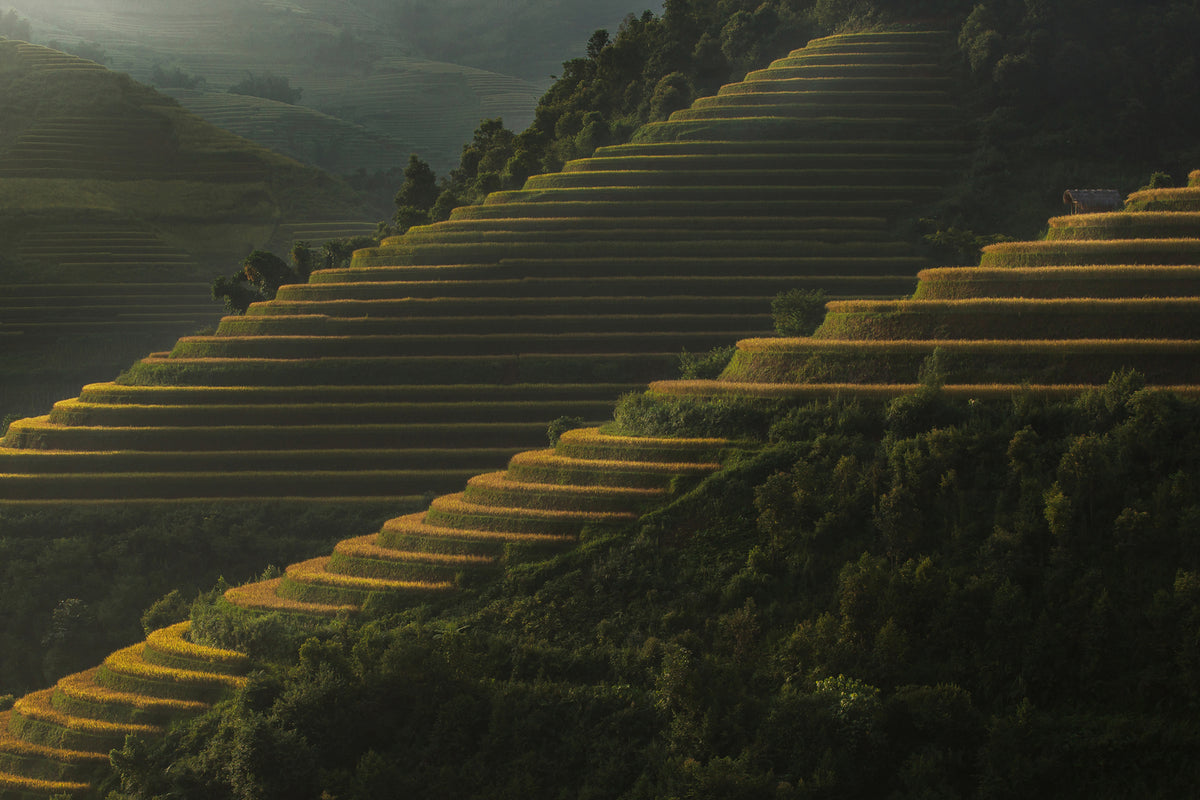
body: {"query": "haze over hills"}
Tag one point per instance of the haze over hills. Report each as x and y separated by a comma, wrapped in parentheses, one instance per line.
(404, 77)
(117, 209)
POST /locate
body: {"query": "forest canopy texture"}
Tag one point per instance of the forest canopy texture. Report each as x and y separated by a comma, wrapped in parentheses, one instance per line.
(1059, 93)
(929, 597)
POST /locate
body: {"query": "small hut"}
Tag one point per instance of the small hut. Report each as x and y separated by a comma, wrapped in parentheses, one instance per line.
(1092, 201)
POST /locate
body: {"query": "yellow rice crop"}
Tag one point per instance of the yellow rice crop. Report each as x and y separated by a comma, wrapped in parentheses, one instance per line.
(550, 458)
(170, 640)
(800, 345)
(1059, 272)
(879, 390)
(18, 783)
(20, 747)
(129, 661)
(1108, 218)
(594, 436)
(365, 547)
(313, 572)
(413, 524)
(1088, 245)
(260, 596)
(453, 504)
(83, 686)
(1016, 305)
(499, 480)
(37, 706)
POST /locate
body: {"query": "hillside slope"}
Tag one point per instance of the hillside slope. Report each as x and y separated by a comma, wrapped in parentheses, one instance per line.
(541, 302)
(965, 590)
(382, 68)
(117, 208)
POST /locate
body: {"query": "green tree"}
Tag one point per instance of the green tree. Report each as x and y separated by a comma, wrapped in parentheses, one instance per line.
(269, 86)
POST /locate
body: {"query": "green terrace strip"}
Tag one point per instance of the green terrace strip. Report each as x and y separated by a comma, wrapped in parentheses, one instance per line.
(77, 412)
(116, 393)
(955, 283)
(878, 391)
(309, 581)
(1083, 361)
(1144, 225)
(57, 740)
(764, 176)
(35, 718)
(468, 335)
(1003, 318)
(498, 519)
(497, 323)
(1116, 252)
(536, 292)
(1177, 200)
(80, 696)
(262, 596)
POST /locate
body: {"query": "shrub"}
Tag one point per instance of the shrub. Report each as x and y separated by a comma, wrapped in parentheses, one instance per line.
(268, 86)
(703, 366)
(560, 426)
(167, 610)
(798, 312)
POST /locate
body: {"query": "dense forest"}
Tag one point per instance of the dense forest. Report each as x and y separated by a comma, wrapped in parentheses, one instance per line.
(1060, 95)
(929, 597)
(924, 598)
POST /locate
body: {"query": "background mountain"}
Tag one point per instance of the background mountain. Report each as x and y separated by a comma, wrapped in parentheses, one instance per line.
(909, 599)
(402, 77)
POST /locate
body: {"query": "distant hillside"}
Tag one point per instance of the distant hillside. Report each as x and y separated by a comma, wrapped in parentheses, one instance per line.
(382, 66)
(117, 209)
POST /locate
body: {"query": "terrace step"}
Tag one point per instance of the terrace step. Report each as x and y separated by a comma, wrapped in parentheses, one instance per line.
(1012, 318)
(966, 361)
(363, 556)
(833, 261)
(1050, 282)
(303, 395)
(547, 289)
(291, 347)
(497, 324)
(456, 511)
(128, 670)
(263, 596)
(1140, 225)
(591, 443)
(310, 582)
(21, 760)
(36, 720)
(500, 489)
(413, 532)
(80, 695)
(81, 413)
(550, 466)
(38, 432)
(441, 464)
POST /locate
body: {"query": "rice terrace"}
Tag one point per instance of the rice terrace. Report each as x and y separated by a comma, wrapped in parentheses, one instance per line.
(785, 400)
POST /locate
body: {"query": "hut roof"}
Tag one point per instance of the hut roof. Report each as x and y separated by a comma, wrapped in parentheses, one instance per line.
(1084, 201)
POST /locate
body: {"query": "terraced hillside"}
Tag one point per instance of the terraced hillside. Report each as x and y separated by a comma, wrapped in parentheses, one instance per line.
(471, 334)
(373, 90)
(56, 741)
(1102, 293)
(117, 208)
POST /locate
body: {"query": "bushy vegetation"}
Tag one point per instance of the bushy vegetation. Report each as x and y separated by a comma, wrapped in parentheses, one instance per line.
(269, 86)
(77, 578)
(919, 597)
(263, 273)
